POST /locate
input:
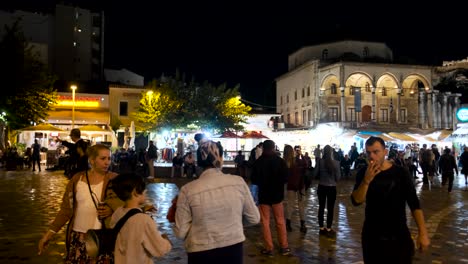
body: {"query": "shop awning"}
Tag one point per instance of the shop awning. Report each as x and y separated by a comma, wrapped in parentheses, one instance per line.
(64, 116)
(402, 137)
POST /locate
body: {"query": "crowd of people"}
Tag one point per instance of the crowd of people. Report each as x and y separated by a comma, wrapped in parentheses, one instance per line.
(211, 211)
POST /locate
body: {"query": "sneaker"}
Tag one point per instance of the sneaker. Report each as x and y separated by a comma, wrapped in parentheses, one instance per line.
(330, 232)
(285, 251)
(322, 231)
(267, 252)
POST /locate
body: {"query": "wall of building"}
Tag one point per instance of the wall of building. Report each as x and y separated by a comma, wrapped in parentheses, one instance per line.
(124, 76)
(131, 96)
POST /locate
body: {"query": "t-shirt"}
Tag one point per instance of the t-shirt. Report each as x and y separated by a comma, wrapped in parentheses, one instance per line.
(386, 200)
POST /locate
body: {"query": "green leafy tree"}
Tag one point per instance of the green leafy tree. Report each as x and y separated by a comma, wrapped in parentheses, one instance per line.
(176, 103)
(29, 93)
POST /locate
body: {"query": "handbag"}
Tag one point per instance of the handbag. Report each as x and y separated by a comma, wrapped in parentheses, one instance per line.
(102, 241)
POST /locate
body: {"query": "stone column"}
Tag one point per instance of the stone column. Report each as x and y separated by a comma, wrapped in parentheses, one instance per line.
(443, 111)
(456, 106)
(398, 106)
(421, 110)
(430, 113)
(435, 113)
(373, 105)
(343, 105)
(450, 111)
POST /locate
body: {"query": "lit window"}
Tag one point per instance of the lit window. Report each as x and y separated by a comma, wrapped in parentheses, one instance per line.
(383, 115)
(74, 43)
(333, 88)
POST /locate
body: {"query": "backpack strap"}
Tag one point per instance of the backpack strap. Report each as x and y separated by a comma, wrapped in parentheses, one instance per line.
(124, 219)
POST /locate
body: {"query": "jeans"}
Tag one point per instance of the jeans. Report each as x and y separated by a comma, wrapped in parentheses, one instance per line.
(326, 194)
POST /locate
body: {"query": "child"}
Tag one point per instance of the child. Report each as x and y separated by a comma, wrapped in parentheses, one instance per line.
(139, 239)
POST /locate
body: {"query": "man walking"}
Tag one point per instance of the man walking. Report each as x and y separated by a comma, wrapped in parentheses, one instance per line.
(446, 166)
(269, 173)
(152, 155)
(387, 188)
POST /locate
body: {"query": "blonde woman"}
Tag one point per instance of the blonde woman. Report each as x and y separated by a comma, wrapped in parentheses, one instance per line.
(295, 188)
(78, 207)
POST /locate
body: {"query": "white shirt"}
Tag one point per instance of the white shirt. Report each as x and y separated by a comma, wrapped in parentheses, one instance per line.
(139, 239)
(86, 214)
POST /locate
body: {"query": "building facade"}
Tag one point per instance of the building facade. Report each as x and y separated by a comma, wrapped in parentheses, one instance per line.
(70, 41)
(356, 84)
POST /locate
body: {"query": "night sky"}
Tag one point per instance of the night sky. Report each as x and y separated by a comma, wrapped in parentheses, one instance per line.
(248, 42)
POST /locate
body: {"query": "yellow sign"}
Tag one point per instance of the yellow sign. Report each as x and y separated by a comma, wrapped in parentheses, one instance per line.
(78, 103)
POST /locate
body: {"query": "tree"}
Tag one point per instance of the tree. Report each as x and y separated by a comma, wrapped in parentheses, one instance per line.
(29, 93)
(175, 103)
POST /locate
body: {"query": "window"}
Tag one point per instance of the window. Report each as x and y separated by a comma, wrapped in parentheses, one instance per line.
(309, 115)
(295, 95)
(287, 98)
(383, 115)
(384, 91)
(325, 54)
(296, 118)
(351, 90)
(403, 115)
(308, 90)
(368, 89)
(304, 117)
(289, 119)
(333, 114)
(123, 109)
(365, 52)
(281, 100)
(333, 88)
(352, 114)
(303, 92)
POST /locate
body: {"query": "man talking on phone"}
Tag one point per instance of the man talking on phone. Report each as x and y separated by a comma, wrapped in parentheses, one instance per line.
(387, 188)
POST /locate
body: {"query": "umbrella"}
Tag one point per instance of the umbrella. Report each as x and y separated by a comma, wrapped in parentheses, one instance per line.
(253, 134)
(229, 134)
(132, 134)
(43, 127)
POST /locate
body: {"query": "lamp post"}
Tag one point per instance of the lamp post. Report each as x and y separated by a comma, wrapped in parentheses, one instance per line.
(73, 87)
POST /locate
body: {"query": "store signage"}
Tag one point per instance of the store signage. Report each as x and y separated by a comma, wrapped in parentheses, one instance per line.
(80, 101)
(462, 114)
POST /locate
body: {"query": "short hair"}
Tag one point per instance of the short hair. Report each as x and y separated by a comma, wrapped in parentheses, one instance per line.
(447, 151)
(268, 145)
(199, 136)
(370, 141)
(75, 132)
(124, 184)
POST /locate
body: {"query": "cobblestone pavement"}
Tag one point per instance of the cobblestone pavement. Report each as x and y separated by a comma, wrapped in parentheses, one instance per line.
(30, 201)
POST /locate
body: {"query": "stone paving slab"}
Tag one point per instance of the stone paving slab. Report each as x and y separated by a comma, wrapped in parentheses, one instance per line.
(30, 201)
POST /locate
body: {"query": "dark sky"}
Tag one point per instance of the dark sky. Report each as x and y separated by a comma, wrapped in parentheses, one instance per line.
(248, 42)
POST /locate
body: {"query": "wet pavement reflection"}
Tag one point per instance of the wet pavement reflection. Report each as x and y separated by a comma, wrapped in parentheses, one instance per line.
(30, 201)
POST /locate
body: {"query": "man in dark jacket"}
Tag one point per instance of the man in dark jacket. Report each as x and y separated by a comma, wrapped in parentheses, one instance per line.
(446, 166)
(78, 160)
(269, 173)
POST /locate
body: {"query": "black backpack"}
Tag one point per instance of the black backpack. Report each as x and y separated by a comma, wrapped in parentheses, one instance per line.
(102, 241)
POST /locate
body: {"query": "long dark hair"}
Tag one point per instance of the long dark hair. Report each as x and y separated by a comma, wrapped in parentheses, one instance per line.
(328, 159)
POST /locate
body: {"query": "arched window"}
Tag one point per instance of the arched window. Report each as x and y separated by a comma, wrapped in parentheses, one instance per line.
(325, 54)
(333, 89)
(368, 89)
(365, 52)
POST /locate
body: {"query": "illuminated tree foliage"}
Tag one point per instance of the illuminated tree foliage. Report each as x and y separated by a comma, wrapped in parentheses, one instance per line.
(28, 93)
(188, 105)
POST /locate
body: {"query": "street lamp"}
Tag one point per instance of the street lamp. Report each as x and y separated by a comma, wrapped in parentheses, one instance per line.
(73, 87)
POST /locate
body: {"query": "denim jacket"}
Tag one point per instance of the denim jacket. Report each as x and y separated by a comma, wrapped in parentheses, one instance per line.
(211, 211)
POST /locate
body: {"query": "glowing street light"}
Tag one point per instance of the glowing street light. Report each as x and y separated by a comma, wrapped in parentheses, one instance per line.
(73, 87)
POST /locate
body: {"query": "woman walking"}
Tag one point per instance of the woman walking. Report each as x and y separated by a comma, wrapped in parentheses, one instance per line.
(295, 187)
(329, 173)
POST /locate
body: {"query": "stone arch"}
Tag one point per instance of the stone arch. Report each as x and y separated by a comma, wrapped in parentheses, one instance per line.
(358, 79)
(413, 83)
(328, 82)
(387, 86)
